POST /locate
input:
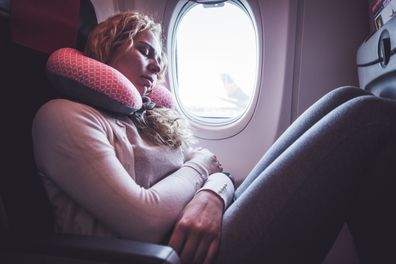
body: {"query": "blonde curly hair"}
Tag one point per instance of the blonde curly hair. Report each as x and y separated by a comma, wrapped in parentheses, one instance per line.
(161, 125)
(107, 37)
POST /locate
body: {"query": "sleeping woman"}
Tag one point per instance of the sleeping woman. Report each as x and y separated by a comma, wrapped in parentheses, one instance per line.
(142, 177)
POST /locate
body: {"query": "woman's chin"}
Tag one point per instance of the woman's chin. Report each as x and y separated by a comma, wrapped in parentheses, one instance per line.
(141, 89)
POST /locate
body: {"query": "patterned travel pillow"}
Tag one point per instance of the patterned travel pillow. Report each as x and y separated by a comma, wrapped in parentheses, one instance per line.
(83, 79)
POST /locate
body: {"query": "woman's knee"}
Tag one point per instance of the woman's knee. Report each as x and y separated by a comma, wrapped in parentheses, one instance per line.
(344, 93)
(367, 111)
(372, 106)
(331, 101)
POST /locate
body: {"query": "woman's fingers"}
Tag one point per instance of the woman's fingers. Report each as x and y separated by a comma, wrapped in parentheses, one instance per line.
(212, 252)
(197, 233)
(207, 249)
(190, 247)
(178, 238)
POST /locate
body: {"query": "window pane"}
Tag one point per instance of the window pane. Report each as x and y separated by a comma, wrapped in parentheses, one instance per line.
(216, 61)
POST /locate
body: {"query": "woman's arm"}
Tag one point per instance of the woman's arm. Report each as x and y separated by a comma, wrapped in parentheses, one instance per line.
(197, 233)
(72, 148)
(215, 181)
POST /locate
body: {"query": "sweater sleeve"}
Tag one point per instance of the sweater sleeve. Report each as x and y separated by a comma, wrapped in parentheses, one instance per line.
(221, 185)
(218, 183)
(71, 147)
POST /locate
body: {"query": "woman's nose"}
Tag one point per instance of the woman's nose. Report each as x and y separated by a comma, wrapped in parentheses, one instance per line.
(154, 66)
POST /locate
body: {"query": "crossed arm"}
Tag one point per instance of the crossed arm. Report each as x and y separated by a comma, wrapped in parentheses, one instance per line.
(72, 148)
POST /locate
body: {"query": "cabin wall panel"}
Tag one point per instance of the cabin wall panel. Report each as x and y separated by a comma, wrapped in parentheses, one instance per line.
(331, 32)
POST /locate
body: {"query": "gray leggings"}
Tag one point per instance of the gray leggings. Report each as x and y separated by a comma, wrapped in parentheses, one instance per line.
(333, 165)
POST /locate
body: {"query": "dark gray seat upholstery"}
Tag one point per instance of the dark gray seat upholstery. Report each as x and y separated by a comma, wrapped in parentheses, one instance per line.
(25, 215)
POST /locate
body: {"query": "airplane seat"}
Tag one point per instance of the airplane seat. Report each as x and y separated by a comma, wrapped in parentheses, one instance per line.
(376, 65)
(22, 69)
(376, 62)
(25, 213)
(19, 70)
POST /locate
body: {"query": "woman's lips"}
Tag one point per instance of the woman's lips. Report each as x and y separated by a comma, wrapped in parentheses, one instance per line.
(148, 81)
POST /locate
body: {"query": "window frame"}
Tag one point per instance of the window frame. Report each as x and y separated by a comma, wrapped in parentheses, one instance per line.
(229, 127)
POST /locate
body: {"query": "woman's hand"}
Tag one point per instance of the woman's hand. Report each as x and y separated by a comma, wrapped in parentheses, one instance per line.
(205, 158)
(196, 235)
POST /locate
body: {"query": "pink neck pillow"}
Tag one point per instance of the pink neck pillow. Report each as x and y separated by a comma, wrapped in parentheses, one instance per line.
(83, 79)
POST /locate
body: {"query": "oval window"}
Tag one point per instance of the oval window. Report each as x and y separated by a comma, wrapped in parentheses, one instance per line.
(215, 61)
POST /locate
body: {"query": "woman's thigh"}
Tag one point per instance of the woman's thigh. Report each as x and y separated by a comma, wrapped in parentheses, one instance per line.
(295, 207)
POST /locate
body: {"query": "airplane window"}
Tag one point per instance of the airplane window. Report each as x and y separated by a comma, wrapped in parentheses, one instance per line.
(215, 61)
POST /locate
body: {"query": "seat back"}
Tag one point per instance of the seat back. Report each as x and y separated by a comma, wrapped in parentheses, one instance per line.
(376, 61)
(24, 89)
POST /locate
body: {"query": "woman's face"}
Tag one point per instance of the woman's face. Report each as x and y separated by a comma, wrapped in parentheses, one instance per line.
(141, 63)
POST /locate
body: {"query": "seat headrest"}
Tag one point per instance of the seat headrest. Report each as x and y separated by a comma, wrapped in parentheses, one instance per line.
(83, 79)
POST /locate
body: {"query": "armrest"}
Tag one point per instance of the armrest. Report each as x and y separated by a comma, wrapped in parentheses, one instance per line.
(109, 250)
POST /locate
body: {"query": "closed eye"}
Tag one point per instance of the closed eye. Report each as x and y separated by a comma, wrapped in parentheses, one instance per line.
(148, 51)
(144, 50)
